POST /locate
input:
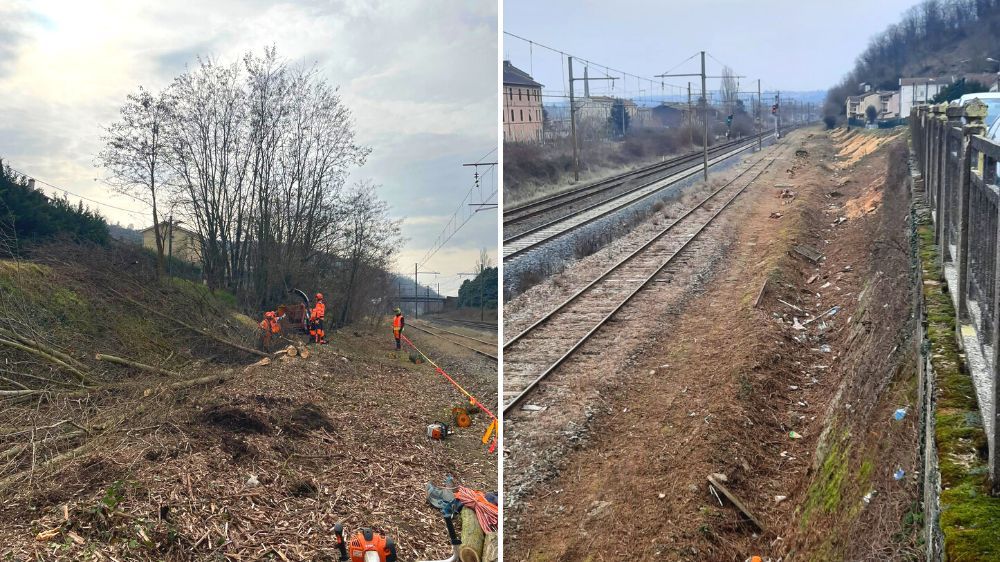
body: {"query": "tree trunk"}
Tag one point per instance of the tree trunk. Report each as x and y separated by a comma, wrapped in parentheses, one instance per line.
(472, 537)
(491, 548)
(136, 365)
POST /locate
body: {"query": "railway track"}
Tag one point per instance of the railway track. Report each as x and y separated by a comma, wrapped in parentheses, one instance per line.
(519, 214)
(479, 325)
(536, 352)
(470, 343)
(569, 211)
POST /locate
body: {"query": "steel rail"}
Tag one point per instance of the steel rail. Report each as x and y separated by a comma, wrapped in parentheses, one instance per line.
(523, 393)
(615, 204)
(518, 213)
(449, 340)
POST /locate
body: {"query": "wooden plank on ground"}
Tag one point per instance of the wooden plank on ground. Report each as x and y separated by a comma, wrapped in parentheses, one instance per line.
(735, 501)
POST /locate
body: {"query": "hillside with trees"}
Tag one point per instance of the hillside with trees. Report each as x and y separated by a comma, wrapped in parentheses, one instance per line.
(934, 38)
(27, 214)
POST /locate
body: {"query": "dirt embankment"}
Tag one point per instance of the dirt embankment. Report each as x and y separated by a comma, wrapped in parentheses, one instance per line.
(258, 466)
(795, 409)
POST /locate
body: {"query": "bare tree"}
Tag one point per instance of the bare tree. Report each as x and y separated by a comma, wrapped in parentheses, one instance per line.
(729, 89)
(135, 155)
(372, 239)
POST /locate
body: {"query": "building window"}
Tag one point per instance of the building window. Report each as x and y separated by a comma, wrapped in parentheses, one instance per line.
(510, 93)
(512, 116)
(522, 115)
(529, 116)
(519, 94)
(538, 114)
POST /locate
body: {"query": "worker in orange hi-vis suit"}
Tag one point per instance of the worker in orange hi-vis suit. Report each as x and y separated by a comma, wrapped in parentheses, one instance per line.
(316, 320)
(398, 323)
(269, 327)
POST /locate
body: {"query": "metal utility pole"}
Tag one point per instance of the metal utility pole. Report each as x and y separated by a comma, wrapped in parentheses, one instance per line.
(416, 288)
(760, 117)
(703, 104)
(704, 97)
(572, 124)
(572, 111)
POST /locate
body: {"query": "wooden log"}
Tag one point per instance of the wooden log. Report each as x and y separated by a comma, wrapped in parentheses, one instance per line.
(136, 365)
(47, 349)
(472, 537)
(50, 358)
(491, 548)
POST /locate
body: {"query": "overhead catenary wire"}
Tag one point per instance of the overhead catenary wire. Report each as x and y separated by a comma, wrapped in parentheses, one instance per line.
(84, 198)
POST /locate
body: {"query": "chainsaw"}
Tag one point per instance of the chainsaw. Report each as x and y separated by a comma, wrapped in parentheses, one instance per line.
(368, 546)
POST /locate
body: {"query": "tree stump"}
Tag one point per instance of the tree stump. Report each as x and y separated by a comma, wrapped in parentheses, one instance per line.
(472, 537)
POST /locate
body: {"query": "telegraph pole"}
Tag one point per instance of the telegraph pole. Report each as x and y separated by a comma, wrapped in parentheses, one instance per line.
(572, 124)
(760, 117)
(572, 112)
(704, 97)
(416, 288)
(703, 104)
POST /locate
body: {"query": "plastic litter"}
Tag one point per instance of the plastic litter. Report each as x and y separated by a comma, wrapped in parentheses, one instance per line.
(794, 435)
(899, 414)
(899, 474)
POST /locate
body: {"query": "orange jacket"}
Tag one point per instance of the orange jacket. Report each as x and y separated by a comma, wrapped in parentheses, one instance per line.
(398, 323)
(319, 311)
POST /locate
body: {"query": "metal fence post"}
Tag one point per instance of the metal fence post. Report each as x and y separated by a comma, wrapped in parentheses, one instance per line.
(974, 112)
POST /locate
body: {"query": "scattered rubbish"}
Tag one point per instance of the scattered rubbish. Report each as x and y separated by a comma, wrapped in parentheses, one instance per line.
(840, 220)
(847, 268)
(661, 495)
(825, 285)
(898, 475)
(790, 305)
(652, 371)
(811, 279)
(787, 194)
(832, 311)
(532, 408)
(252, 482)
(868, 497)
(720, 477)
(794, 435)
(597, 508)
(776, 215)
(899, 414)
(808, 252)
(793, 387)
(825, 348)
(796, 325)
(779, 499)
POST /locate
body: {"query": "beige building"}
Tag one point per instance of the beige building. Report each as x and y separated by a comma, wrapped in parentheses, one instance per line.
(186, 244)
(522, 106)
(886, 103)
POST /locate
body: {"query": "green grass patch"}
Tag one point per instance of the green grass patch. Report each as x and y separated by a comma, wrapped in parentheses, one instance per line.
(970, 517)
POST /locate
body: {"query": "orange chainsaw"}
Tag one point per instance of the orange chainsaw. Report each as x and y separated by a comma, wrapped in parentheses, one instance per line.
(368, 546)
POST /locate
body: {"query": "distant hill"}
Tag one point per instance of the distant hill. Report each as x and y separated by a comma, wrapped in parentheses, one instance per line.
(934, 38)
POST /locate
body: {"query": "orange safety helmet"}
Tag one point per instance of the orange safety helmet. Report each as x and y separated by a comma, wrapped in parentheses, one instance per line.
(319, 296)
(269, 314)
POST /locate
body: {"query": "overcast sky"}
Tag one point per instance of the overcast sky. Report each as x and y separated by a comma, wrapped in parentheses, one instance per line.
(419, 76)
(788, 44)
